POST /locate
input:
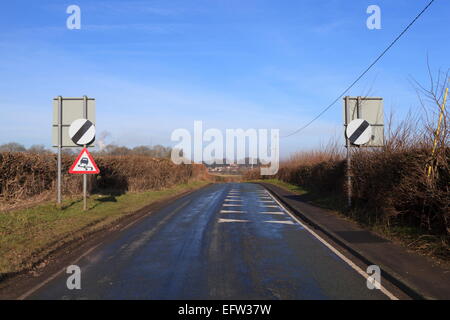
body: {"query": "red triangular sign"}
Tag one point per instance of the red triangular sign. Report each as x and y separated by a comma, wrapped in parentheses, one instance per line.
(84, 164)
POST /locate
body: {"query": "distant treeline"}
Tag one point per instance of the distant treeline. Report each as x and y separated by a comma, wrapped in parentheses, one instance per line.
(157, 151)
(17, 147)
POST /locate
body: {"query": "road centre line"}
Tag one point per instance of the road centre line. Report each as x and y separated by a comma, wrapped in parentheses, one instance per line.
(278, 221)
(275, 212)
(231, 220)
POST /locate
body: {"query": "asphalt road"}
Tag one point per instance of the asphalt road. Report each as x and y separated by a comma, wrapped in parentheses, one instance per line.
(226, 241)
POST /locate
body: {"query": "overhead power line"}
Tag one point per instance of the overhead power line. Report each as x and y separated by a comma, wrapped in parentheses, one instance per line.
(363, 73)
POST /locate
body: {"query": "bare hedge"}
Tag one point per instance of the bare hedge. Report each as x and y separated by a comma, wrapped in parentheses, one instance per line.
(389, 186)
(26, 175)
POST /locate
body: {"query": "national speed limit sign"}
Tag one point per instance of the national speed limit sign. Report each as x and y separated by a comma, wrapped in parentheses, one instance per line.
(82, 132)
(359, 132)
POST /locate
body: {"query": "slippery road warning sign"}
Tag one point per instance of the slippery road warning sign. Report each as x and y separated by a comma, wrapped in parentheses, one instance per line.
(84, 164)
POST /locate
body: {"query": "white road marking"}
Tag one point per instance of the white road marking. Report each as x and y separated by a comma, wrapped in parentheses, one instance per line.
(231, 211)
(266, 206)
(232, 200)
(275, 212)
(232, 220)
(232, 205)
(277, 221)
(336, 252)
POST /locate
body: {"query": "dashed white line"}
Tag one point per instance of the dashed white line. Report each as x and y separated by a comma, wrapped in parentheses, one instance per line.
(275, 212)
(280, 221)
(231, 220)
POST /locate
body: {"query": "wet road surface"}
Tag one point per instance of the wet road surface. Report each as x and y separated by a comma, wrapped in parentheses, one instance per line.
(226, 241)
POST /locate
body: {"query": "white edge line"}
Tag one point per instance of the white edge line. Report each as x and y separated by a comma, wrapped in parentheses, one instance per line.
(335, 251)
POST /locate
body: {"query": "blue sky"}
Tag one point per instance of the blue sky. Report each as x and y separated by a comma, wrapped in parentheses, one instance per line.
(155, 66)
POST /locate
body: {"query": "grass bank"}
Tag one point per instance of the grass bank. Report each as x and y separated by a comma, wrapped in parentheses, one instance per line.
(29, 235)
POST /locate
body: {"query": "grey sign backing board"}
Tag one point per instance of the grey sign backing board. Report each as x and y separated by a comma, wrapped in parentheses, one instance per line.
(72, 109)
(370, 109)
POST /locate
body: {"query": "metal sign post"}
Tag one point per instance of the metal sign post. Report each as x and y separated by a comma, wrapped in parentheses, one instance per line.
(82, 132)
(59, 150)
(84, 146)
(364, 127)
(65, 112)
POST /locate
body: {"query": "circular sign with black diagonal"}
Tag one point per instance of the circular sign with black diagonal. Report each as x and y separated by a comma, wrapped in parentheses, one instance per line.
(359, 132)
(82, 132)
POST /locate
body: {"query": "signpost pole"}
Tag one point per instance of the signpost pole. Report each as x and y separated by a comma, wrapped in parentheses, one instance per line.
(84, 175)
(81, 134)
(59, 150)
(348, 146)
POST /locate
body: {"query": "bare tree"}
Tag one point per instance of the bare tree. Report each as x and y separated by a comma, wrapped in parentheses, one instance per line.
(12, 147)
